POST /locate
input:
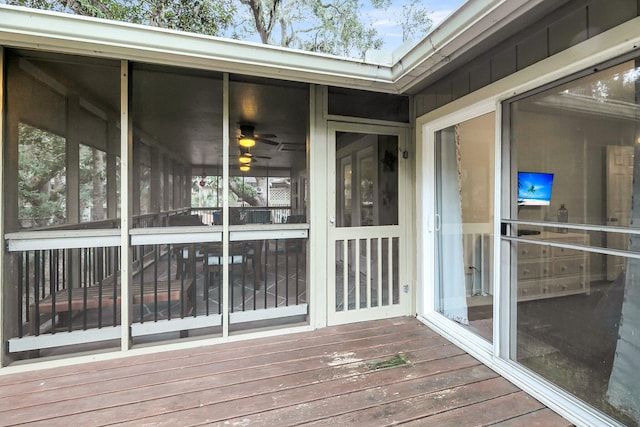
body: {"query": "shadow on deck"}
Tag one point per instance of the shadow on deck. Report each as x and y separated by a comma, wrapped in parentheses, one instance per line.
(391, 371)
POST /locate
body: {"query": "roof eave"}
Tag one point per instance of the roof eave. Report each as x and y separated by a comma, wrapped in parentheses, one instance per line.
(458, 34)
(35, 29)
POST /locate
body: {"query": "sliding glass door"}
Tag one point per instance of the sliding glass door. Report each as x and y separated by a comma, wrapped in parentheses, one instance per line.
(463, 223)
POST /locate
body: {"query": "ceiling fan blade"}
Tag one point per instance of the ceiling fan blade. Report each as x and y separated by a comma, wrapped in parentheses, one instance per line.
(264, 135)
(267, 141)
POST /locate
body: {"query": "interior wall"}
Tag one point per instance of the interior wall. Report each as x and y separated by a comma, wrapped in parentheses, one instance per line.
(579, 184)
(477, 138)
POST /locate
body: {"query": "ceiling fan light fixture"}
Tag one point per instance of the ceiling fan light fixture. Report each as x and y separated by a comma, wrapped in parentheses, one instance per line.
(244, 159)
(247, 139)
(247, 142)
(245, 167)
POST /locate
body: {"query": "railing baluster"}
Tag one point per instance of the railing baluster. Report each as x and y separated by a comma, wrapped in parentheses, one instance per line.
(207, 279)
(36, 292)
(155, 284)
(357, 278)
(244, 277)
(256, 244)
(20, 294)
(345, 274)
(231, 301)
(69, 288)
(168, 253)
(193, 278)
(27, 275)
(141, 249)
(380, 260)
(116, 268)
(298, 274)
(275, 303)
(220, 293)
(266, 270)
(369, 278)
(286, 273)
(84, 290)
(52, 293)
(96, 260)
(390, 271)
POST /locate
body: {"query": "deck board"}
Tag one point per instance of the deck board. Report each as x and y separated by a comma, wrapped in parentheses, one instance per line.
(322, 377)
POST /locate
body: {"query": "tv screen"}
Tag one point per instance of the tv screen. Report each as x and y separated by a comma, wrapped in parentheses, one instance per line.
(534, 188)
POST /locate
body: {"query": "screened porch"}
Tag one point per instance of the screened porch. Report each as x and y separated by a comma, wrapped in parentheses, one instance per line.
(164, 198)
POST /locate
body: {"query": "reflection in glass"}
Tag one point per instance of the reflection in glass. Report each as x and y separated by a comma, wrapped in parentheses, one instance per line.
(61, 140)
(93, 184)
(41, 178)
(367, 168)
(464, 210)
(578, 311)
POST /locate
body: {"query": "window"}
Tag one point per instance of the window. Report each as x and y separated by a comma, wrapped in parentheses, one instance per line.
(573, 259)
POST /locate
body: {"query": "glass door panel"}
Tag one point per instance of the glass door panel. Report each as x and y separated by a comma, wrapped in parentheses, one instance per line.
(464, 223)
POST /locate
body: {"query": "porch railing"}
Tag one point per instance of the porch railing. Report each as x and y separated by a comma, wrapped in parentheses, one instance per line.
(249, 215)
(69, 284)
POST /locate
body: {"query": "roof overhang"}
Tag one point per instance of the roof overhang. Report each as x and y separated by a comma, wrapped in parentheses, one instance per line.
(473, 22)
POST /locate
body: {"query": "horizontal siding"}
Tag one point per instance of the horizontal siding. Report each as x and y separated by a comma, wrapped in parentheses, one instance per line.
(565, 27)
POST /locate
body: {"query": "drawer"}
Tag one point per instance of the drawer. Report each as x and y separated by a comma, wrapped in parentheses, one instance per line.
(564, 252)
(528, 251)
(563, 267)
(528, 289)
(567, 285)
(533, 270)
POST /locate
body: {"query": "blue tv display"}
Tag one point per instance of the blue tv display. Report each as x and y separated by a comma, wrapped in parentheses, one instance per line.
(534, 188)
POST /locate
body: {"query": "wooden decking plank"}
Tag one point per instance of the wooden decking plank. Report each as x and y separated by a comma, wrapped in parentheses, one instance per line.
(387, 405)
(483, 413)
(242, 359)
(285, 364)
(541, 418)
(121, 393)
(221, 353)
(424, 406)
(283, 404)
(323, 377)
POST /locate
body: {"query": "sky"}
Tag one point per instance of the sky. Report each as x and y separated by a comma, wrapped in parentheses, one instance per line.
(388, 28)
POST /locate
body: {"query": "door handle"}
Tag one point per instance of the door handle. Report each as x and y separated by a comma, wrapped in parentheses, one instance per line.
(438, 221)
(332, 220)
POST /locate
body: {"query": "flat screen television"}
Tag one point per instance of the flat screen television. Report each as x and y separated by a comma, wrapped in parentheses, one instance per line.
(534, 188)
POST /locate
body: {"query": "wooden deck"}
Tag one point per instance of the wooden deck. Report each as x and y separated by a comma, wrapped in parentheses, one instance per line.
(385, 372)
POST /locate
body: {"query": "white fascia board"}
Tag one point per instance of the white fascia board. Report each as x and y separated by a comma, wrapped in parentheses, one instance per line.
(44, 30)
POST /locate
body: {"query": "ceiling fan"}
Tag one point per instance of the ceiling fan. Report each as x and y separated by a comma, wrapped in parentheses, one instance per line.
(248, 137)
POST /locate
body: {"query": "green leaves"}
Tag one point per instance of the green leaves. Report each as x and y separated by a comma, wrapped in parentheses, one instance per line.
(335, 27)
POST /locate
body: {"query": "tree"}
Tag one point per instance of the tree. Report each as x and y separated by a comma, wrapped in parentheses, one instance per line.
(211, 17)
(41, 178)
(329, 26)
(332, 26)
(415, 21)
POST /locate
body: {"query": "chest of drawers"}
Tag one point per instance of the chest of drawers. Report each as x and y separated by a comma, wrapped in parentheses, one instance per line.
(548, 271)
